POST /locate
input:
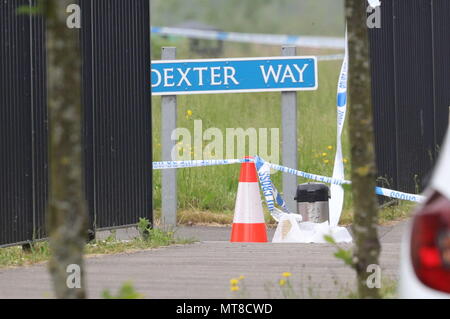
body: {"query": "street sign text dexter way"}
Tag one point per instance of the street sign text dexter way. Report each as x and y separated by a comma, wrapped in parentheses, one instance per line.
(176, 77)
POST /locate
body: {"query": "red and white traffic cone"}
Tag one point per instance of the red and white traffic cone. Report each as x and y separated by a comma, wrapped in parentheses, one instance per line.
(248, 222)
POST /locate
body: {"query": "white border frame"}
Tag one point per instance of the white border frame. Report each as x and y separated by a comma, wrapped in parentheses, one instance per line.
(243, 90)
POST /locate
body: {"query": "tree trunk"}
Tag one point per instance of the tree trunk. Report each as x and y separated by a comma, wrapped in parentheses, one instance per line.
(367, 246)
(67, 219)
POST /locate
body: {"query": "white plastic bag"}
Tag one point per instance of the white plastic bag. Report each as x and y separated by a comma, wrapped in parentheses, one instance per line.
(291, 229)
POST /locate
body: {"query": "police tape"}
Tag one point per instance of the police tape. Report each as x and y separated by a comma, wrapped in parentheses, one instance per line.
(276, 197)
(318, 178)
(329, 180)
(196, 163)
(318, 42)
(331, 57)
(399, 195)
(269, 190)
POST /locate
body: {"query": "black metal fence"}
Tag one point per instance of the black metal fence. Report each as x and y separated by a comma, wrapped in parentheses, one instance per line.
(411, 89)
(23, 125)
(115, 40)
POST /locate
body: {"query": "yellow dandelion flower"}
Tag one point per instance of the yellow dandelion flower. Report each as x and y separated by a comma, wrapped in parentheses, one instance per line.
(282, 282)
(189, 113)
(345, 161)
(234, 288)
(286, 274)
(324, 154)
(330, 147)
(326, 161)
(234, 282)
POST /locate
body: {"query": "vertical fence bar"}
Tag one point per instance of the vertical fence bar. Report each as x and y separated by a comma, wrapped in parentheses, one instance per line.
(168, 176)
(115, 41)
(23, 124)
(414, 92)
(384, 99)
(289, 137)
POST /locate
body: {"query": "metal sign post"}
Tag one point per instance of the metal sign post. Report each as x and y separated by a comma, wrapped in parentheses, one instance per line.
(168, 176)
(289, 138)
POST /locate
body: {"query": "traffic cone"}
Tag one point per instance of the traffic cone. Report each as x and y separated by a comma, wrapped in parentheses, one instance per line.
(248, 222)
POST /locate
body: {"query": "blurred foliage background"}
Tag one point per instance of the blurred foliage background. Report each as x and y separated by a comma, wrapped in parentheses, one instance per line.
(296, 17)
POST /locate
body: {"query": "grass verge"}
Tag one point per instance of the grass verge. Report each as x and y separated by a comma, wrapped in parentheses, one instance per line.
(209, 218)
(40, 252)
(396, 212)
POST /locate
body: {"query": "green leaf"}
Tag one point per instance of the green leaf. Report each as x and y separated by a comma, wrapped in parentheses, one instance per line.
(345, 256)
(329, 239)
(127, 291)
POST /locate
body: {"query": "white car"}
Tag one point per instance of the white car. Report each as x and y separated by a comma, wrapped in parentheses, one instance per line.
(425, 252)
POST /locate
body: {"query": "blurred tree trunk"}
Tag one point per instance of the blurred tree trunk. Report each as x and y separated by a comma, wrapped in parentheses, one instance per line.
(67, 213)
(367, 246)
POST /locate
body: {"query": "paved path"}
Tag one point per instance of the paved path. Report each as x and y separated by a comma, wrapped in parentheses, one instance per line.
(203, 269)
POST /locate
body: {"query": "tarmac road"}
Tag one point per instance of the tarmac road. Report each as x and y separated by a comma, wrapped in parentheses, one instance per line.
(203, 269)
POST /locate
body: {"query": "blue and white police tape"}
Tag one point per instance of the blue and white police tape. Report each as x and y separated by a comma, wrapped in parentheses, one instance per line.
(318, 178)
(378, 190)
(196, 163)
(399, 195)
(337, 191)
(270, 192)
(271, 39)
(270, 188)
(331, 57)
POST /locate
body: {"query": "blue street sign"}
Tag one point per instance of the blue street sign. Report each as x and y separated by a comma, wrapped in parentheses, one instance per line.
(234, 75)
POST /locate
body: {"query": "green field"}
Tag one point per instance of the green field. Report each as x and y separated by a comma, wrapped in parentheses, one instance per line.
(213, 189)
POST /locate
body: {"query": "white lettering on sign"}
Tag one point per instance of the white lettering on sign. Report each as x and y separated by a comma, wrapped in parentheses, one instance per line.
(271, 72)
(159, 78)
(215, 75)
(168, 77)
(229, 73)
(184, 77)
(218, 76)
(300, 72)
(200, 74)
(287, 73)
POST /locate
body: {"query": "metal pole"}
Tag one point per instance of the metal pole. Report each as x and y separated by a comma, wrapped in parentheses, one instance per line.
(289, 137)
(168, 176)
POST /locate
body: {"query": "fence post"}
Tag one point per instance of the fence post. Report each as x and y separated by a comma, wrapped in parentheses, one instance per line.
(168, 176)
(289, 137)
